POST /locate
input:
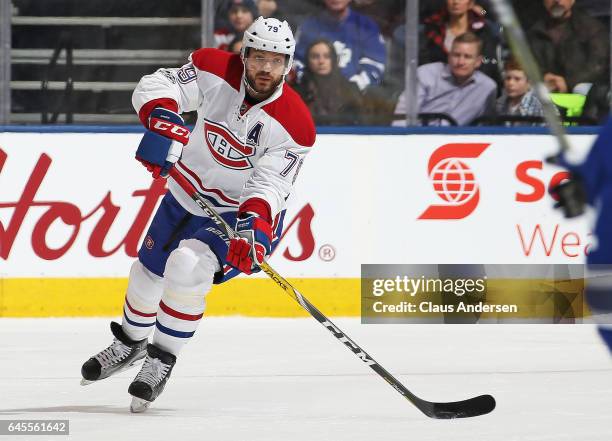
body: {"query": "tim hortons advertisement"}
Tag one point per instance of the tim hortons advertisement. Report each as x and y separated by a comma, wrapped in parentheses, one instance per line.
(78, 205)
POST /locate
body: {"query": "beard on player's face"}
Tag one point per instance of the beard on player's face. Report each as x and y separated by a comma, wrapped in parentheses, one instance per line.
(263, 82)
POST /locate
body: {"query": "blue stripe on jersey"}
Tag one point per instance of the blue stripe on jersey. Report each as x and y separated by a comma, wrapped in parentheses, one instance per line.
(215, 202)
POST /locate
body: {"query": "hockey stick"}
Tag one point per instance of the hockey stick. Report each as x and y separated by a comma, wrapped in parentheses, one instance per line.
(572, 190)
(521, 50)
(480, 405)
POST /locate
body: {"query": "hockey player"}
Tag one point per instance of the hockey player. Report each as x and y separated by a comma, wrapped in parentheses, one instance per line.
(243, 155)
(591, 182)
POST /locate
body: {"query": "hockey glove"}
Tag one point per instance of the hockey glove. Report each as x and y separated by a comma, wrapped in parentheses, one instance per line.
(570, 195)
(162, 144)
(248, 251)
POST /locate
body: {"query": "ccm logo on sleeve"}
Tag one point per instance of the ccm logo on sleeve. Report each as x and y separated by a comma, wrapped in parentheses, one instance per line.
(163, 126)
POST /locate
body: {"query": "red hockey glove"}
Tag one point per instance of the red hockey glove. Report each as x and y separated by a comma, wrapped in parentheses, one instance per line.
(248, 251)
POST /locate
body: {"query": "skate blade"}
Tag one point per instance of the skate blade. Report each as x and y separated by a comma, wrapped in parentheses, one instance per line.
(85, 382)
(139, 405)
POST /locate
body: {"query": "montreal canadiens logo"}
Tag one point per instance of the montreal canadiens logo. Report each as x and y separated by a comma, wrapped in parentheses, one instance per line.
(149, 242)
(226, 149)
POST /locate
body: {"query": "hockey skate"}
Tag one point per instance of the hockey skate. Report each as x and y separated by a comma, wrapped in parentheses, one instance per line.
(152, 378)
(122, 354)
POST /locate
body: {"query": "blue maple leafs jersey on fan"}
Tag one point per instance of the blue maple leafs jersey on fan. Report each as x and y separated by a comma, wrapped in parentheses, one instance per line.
(357, 41)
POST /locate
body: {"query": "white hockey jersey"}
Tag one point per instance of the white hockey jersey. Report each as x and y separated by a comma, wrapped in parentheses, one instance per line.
(248, 161)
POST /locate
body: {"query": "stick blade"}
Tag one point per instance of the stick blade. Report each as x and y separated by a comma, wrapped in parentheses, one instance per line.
(476, 406)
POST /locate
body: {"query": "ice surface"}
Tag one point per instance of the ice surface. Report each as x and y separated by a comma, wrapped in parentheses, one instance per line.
(289, 379)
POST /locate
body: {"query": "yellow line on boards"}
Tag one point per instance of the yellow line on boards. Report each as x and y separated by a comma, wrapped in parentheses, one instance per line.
(98, 297)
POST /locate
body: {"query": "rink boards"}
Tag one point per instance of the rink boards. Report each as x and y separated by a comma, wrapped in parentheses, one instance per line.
(74, 208)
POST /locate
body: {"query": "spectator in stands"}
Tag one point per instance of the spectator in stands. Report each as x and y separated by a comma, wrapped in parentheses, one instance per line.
(271, 8)
(236, 44)
(596, 8)
(571, 47)
(295, 12)
(456, 89)
(267, 8)
(331, 98)
(356, 39)
(597, 104)
(528, 12)
(518, 99)
(427, 8)
(387, 14)
(240, 15)
(455, 18)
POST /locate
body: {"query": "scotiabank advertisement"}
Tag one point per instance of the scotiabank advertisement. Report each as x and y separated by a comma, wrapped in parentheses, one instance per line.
(479, 199)
(78, 204)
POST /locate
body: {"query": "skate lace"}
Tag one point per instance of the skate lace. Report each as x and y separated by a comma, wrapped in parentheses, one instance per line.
(153, 371)
(115, 353)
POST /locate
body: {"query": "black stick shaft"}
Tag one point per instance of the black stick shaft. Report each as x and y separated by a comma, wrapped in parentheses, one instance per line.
(473, 407)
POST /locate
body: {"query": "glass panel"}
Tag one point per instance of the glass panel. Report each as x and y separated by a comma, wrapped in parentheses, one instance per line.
(78, 61)
(349, 69)
(572, 45)
(460, 84)
(350, 62)
(570, 41)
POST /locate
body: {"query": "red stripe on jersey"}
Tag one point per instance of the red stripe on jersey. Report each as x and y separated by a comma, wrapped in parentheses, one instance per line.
(291, 112)
(275, 225)
(258, 206)
(145, 111)
(210, 190)
(137, 312)
(179, 315)
(225, 65)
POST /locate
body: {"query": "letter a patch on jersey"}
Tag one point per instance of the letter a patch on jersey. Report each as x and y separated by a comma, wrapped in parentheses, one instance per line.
(254, 134)
(226, 149)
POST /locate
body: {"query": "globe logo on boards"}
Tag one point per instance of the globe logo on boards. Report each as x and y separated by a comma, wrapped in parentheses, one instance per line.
(453, 181)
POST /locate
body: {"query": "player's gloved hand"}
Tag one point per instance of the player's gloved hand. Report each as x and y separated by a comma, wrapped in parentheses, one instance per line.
(570, 195)
(162, 144)
(249, 250)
